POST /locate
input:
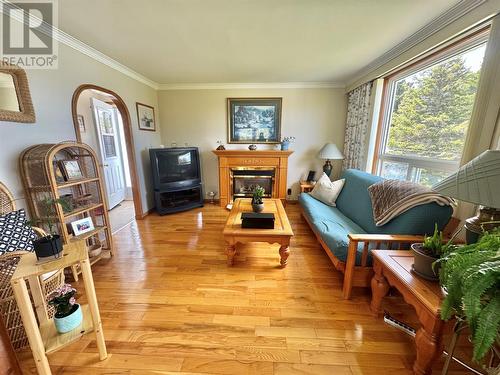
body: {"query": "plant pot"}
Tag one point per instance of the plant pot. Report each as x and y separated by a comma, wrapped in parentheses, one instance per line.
(48, 247)
(422, 263)
(285, 146)
(258, 207)
(70, 322)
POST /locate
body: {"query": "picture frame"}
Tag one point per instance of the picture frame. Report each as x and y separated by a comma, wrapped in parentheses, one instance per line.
(254, 120)
(310, 176)
(146, 117)
(71, 170)
(82, 226)
(81, 123)
(58, 172)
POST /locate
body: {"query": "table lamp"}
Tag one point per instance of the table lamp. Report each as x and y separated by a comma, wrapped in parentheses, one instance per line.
(477, 182)
(329, 152)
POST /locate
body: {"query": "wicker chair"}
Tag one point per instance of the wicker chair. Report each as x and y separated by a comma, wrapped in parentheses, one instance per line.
(8, 262)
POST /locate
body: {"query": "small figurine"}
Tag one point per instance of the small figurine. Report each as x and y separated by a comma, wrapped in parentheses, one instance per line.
(252, 147)
(221, 146)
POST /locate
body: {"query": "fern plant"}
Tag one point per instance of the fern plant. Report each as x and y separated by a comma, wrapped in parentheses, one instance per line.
(471, 276)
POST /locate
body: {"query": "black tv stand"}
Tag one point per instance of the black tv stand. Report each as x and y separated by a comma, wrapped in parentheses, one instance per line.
(176, 200)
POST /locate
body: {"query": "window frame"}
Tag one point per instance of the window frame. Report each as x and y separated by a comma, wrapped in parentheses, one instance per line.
(454, 48)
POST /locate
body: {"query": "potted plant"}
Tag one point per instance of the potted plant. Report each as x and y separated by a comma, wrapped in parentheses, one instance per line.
(470, 277)
(285, 143)
(257, 202)
(426, 253)
(68, 314)
(49, 246)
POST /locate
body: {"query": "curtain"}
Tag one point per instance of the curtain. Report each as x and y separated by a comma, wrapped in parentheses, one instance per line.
(356, 130)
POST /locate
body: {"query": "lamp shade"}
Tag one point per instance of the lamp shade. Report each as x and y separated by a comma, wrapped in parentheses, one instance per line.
(330, 152)
(477, 182)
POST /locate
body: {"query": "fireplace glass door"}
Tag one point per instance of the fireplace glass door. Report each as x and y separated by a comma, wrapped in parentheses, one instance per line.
(244, 182)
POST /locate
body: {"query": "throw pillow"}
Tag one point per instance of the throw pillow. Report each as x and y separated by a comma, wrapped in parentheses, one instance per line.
(15, 234)
(327, 191)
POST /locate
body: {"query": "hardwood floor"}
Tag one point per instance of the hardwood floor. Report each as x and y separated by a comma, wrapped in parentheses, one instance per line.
(170, 305)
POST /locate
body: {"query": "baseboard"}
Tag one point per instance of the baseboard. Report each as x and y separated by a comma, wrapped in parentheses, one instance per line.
(208, 201)
(144, 214)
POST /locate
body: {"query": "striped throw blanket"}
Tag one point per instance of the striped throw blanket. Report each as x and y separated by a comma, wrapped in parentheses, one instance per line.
(391, 198)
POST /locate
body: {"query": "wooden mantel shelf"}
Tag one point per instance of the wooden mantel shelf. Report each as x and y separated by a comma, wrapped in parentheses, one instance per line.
(232, 153)
(230, 159)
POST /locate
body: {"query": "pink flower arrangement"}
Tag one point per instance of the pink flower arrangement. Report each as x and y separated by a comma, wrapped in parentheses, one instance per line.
(63, 299)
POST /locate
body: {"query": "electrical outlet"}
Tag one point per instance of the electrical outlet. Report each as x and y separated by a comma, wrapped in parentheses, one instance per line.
(289, 192)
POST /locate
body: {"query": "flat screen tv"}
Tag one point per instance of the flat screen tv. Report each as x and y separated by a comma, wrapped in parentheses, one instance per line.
(175, 168)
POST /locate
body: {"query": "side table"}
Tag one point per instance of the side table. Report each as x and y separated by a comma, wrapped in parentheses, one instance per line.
(306, 186)
(393, 268)
(44, 338)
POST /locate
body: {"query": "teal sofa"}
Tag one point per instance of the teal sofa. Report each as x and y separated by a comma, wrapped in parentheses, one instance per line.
(348, 232)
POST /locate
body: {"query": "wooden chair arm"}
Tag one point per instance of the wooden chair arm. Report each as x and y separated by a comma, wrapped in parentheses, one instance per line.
(384, 238)
(378, 239)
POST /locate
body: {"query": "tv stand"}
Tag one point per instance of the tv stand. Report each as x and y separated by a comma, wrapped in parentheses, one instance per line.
(176, 200)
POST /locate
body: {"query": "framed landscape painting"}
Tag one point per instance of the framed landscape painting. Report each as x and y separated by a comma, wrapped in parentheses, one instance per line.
(146, 117)
(254, 120)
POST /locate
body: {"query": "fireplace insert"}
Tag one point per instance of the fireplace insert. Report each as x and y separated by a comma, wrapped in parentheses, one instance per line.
(245, 179)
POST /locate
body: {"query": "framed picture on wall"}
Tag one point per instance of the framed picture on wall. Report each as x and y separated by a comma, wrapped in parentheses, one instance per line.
(81, 123)
(146, 117)
(254, 120)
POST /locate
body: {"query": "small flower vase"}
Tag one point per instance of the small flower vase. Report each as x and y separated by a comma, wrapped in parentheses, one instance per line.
(285, 145)
(70, 322)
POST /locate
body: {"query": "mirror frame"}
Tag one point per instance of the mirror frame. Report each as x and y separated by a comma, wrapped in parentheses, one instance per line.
(26, 112)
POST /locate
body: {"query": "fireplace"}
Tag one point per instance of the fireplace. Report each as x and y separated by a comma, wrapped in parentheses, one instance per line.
(245, 179)
(241, 170)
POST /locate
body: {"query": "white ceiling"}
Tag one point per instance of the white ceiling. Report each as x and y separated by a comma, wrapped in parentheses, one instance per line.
(246, 41)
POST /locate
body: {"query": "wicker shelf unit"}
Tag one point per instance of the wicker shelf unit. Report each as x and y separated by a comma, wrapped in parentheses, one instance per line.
(40, 167)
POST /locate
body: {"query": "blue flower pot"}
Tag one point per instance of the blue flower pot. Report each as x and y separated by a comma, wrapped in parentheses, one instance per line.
(70, 322)
(285, 146)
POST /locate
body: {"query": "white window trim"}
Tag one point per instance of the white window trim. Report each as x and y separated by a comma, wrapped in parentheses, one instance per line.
(414, 161)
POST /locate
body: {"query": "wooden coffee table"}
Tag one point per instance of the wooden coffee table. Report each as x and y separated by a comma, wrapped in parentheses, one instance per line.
(234, 233)
(393, 268)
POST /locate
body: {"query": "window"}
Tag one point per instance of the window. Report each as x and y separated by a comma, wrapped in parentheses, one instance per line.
(427, 112)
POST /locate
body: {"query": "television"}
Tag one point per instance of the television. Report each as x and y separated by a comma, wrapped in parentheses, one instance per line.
(175, 168)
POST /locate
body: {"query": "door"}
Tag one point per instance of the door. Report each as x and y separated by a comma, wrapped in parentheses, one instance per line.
(110, 151)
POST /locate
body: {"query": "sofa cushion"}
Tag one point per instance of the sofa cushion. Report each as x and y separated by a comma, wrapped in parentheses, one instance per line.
(332, 225)
(326, 190)
(355, 203)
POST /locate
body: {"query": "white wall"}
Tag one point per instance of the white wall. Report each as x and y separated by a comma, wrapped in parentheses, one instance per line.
(51, 92)
(198, 117)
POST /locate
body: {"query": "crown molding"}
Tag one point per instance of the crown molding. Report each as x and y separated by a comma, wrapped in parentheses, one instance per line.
(440, 22)
(263, 85)
(78, 45)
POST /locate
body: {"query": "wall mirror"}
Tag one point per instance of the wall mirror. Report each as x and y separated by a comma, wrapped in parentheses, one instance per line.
(15, 97)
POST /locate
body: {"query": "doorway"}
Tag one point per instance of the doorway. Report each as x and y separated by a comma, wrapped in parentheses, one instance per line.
(102, 121)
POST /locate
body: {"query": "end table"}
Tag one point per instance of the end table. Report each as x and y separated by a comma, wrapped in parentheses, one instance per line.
(44, 338)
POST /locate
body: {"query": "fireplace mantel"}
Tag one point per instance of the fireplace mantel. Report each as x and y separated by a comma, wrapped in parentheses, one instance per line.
(229, 159)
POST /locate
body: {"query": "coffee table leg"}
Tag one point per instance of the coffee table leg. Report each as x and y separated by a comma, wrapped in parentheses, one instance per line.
(284, 254)
(231, 252)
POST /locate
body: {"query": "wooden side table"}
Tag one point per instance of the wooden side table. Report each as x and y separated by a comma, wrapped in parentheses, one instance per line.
(306, 186)
(393, 268)
(44, 338)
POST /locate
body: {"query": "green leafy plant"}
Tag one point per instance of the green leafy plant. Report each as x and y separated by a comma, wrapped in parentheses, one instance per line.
(48, 212)
(434, 246)
(63, 299)
(258, 194)
(471, 276)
